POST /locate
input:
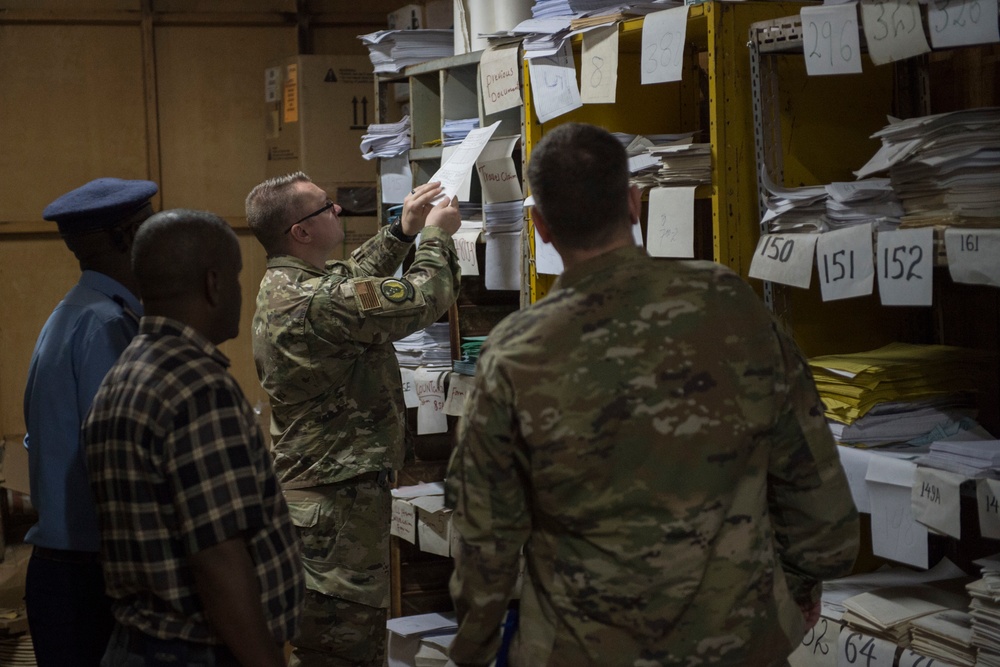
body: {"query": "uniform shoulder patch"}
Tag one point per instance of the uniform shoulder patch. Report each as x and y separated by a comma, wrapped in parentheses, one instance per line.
(367, 295)
(397, 290)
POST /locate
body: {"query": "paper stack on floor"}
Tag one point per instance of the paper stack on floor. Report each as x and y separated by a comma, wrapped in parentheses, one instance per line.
(985, 612)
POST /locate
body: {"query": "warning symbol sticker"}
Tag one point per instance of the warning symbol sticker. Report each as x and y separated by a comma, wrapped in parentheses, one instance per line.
(331, 76)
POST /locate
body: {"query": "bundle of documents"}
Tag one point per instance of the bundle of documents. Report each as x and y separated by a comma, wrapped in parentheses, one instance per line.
(945, 636)
(801, 209)
(862, 202)
(420, 639)
(454, 131)
(392, 50)
(386, 139)
(945, 168)
(852, 384)
(504, 216)
(427, 347)
(985, 612)
(683, 164)
(888, 613)
(471, 347)
(970, 456)
(903, 421)
(548, 8)
(619, 12)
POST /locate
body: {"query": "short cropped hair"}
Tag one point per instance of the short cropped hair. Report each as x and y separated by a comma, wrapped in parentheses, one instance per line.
(173, 249)
(579, 179)
(267, 208)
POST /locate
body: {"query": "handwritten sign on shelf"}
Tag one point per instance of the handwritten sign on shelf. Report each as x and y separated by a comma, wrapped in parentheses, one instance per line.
(784, 258)
(831, 44)
(961, 22)
(893, 29)
(905, 267)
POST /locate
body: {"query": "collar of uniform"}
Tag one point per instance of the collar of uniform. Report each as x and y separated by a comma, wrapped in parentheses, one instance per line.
(600, 264)
(292, 262)
(111, 288)
(157, 325)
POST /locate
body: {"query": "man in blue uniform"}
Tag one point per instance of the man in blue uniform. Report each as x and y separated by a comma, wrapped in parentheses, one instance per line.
(68, 612)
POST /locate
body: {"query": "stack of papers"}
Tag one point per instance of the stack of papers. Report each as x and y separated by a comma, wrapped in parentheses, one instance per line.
(888, 613)
(548, 8)
(386, 139)
(427, 347)
(471, 347)
(852, 384)
(800, 209)
(392, 50)
(683, 164)
(503, 216)
(985, 612)
(420, 639)
(869, 201)
(974, 458)
(945, 168)
(892, 422)
(456, 130)
(945, 636)
(619, 12)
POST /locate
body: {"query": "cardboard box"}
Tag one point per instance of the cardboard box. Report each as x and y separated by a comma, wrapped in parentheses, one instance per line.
(357, 230)
(437, 14)
(317, 109)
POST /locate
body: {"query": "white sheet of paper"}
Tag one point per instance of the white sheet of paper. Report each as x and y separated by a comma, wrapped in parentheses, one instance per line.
(465, 246)
(397, 179)
(499, 78)
(459, 387)
(404, 520)
(410, 398)
(599, 65)
(895, 533)
(844, 262)
(818, 647)
(670, 227)
(458, 166)
(663, 36)
(988, 500)
(959, 22)
(547, 259)
(430, 390)
(906, 267)
(499, 180)
(830, 40)
(855, 649)
(637, 234)
(464, 190)
(503, 261)
(972, 255)
(935, 500)
(554, 90)
(854, 461)
(893, 29)
(785, 259)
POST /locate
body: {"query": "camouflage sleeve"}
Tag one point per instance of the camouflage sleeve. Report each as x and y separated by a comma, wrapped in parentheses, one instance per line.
(378, 309)
(487, 486)
(380, 255)
(815, 522)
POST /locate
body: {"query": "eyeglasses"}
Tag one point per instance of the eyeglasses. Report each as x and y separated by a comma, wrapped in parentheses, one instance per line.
(326, 207)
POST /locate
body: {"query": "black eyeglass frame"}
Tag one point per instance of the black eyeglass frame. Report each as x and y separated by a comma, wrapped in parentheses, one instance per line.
(326, 207)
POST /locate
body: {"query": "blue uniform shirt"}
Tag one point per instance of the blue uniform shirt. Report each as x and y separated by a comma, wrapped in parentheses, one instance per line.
(79, 343)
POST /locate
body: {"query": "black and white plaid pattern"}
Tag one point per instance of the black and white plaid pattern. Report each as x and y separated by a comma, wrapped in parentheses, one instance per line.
(178, 464)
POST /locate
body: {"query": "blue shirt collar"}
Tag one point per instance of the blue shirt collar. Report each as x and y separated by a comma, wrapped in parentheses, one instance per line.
(111, 288)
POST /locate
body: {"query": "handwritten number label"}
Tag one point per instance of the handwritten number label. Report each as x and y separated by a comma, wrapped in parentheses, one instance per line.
(905, 272)
(858, 650)
(663, 37)
(972, 255)
(784, 258)
(987, 494)
(910, 659)
(893, 30)
(599, 65)
(960, 22)
(830, 34)
(845, 264)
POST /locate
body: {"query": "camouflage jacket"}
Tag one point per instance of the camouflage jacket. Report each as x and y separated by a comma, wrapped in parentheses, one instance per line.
(322, 344)
(658, 449)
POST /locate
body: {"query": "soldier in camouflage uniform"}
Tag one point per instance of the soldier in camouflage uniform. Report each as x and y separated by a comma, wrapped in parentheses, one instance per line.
(653, 443)
(322, 343)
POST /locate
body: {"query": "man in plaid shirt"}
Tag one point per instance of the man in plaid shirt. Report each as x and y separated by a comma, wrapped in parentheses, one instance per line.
(199, 553)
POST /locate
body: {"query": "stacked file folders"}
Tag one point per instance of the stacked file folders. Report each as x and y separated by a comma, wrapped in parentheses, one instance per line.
(420, 639)
(945, 168)
(972, 458)
(801, 209)
(888, 613)
(683, 164)
(945, 636)
(392, 50)
(852, 384)
(903, 421)
(869, 201)
(455, 131)
(386, 139)
(503, 216)
(548, 8)
(619, 12)
(985, 612)
(428, 347)
(471, 347)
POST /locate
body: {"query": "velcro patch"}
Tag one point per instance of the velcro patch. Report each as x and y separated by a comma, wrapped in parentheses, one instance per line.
(397, 291)
(367, 295)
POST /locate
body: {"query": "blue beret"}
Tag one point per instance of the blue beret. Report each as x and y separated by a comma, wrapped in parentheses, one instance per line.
(100, 204)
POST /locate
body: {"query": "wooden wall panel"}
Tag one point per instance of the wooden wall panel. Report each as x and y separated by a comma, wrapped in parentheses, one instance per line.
(72, 109)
